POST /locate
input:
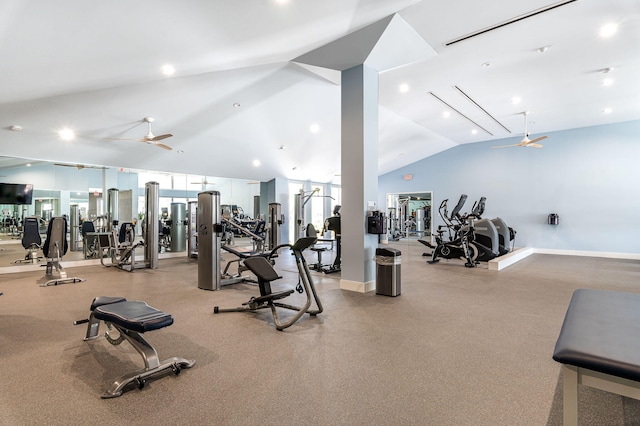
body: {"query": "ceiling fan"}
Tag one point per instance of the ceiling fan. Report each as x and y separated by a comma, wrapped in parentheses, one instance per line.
(203, 182)
(149, 138)
(77, 166)
(526, 142)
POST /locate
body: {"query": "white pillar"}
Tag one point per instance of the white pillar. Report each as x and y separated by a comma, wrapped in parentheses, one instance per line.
(359, 175)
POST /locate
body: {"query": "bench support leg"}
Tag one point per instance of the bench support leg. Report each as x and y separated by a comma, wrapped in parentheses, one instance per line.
(152, 365)
(570, 395)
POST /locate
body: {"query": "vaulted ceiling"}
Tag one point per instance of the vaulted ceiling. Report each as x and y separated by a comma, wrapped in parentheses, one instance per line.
(237, 96)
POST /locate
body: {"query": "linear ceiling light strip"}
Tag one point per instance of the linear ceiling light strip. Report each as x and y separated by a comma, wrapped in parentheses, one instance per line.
(480, 108)
(459, 113)
(510, 21)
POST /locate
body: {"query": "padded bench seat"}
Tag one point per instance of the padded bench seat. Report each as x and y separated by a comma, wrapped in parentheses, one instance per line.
(598, 346)
(130, 319)
(133, 315)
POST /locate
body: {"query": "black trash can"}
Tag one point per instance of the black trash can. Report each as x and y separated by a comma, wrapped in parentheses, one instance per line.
(388, 271)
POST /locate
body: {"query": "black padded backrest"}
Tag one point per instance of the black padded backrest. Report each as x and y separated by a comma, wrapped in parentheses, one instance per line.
(122, 235)
(311, 230)
(87, 226)
(333, 224)
(303, 243)
(458, 207)
(56, 237)
(31, 232)
(262, 268)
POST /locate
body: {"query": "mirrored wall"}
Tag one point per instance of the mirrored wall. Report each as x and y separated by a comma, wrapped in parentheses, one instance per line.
(58, 186)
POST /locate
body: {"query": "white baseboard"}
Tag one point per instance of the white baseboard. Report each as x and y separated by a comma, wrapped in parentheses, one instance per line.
(610, 255)
(357, 286)
(499, 263)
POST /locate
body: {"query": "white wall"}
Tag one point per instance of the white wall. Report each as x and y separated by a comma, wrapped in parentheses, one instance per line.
(589, 176)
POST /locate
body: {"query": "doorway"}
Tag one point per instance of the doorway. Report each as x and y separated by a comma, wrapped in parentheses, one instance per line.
(410, 215)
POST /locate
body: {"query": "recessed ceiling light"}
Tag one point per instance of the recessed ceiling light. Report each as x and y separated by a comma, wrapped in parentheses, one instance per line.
(446, 114)
(474, 131)
(516, 100)
(281, 147)
(608, 30)
(294, 168)
(607, 82)
(66, 134)
(314, 128)
(404, 88)
(282, 1)
(607, 110)
(180, 151)
(168, 69)
(28, 164)
(542, 49)
(236, 104)
(486, 64)
(256, 163)
(15, 128)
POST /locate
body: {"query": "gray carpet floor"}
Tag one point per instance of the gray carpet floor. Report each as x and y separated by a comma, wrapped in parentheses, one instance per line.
(458, 347)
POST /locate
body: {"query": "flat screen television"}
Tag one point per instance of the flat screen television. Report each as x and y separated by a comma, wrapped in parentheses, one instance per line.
(16, 193)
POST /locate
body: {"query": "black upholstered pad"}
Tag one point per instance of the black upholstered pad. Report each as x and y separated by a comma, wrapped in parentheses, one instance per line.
(262, 268)
(600, 332)
(105, 300)
(133, 315)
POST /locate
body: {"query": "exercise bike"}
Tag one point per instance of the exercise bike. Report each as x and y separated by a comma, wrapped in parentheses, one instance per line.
(460, 244)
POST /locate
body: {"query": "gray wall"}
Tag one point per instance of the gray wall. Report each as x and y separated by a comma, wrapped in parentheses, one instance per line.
(589, 176)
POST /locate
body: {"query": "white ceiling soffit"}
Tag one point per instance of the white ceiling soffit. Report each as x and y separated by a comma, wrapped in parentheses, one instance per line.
(383, 45)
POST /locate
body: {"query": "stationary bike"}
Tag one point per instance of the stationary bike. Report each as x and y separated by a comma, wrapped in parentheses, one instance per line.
(460, 244)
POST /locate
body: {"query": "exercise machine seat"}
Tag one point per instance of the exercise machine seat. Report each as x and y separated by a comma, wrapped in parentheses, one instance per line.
(130, 319)
(31, 233)
(56, 244)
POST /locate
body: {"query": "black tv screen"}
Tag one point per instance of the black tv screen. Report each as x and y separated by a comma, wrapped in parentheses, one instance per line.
(15, 193)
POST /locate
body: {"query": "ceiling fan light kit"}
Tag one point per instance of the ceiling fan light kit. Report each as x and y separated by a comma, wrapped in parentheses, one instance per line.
(149, 138)
(525, 142)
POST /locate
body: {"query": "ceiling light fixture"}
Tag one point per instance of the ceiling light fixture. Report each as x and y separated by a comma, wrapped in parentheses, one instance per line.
(66, 134)
(608, 30)
(446, 114)
(168, 70)
(314, 128)
(607, 110)
(404, 88)
(15, 128)
(516, 100)
(607, 82)
(256, 163)
(542, 49)
(281, 148)
(474, 131)
(236, 104)
(486, 64)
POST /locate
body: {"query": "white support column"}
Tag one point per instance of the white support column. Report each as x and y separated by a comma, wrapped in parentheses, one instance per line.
(359, 175)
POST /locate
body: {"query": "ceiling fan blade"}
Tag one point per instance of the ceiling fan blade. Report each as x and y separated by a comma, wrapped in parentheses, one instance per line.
(535, 140)
(124, 139)
(163, 146)
(534, 145)
(506, 146)
(160, 137)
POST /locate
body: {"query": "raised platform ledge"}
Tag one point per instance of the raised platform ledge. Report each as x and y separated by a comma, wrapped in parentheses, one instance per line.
(509, 259)
(357, 286)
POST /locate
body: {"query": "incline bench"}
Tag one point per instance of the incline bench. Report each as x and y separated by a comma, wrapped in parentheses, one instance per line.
(599, 347)
(131, 318)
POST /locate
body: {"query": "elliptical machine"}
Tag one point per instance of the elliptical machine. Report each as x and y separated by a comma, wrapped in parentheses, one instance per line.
(460, 244)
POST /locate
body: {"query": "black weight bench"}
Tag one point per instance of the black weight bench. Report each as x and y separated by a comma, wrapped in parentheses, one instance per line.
(598, 346)
(131, 318)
